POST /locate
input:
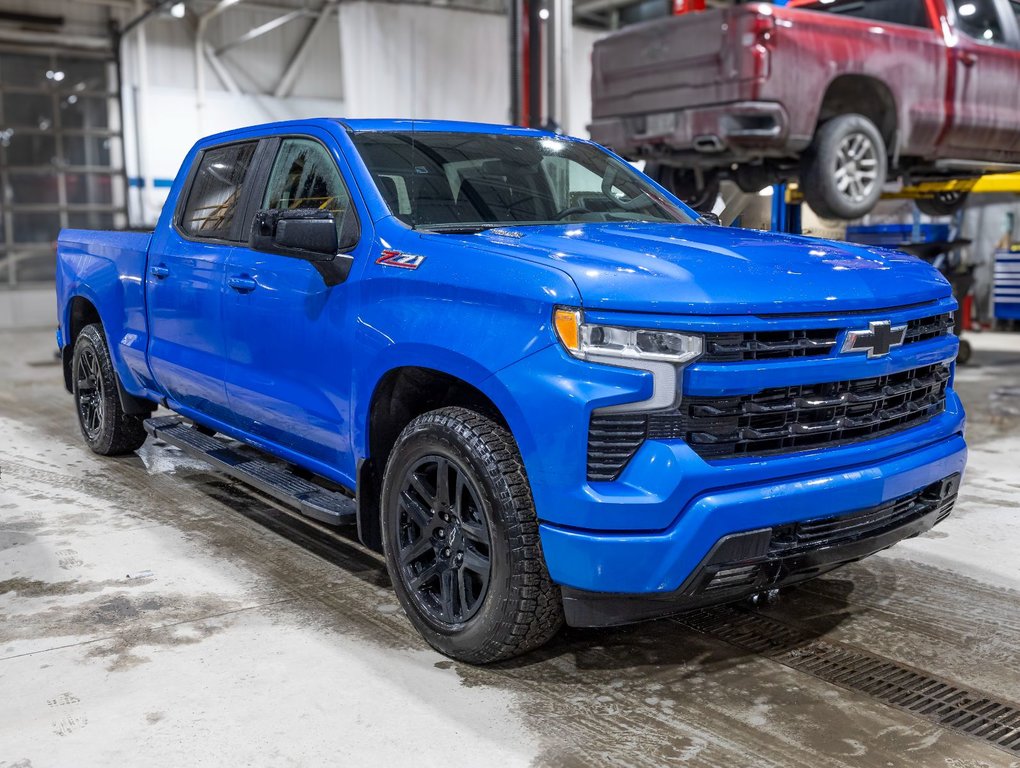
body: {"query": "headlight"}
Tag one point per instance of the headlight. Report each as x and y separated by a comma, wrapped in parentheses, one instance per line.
(659, 352)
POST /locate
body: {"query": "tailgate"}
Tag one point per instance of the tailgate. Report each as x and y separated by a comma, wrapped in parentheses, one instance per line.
(683, 61)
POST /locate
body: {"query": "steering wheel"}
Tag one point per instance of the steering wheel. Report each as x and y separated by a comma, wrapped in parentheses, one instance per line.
(571, 210)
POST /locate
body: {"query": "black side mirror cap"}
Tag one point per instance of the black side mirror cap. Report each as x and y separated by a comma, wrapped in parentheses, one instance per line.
(307, 234)
(710, 218)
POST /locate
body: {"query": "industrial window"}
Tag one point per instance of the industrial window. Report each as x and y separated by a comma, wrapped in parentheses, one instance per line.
(217, 190)
(979, 19)
(911, 13)
(61, 156)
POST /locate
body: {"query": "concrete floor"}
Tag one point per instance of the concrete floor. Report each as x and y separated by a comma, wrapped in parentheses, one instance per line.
(153, 613)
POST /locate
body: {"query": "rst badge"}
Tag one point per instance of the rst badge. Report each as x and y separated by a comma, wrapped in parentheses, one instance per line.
(401, 260)
(877, 340)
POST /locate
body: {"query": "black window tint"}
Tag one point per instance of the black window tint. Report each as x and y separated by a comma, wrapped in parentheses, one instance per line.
(979, 19)
(217, 190)
(911, 13)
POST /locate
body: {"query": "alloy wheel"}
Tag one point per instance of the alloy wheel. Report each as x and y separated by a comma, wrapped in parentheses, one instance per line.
(856, 167)
(89, 387)
(444, 544)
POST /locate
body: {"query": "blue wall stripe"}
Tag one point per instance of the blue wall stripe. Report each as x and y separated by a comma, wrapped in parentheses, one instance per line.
(138, 182)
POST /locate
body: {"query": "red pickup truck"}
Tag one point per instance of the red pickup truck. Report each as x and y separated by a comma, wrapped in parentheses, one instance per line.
(841, 95)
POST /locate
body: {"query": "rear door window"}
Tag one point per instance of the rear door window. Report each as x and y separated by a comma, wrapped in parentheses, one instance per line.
(911, 13)
(217, 191)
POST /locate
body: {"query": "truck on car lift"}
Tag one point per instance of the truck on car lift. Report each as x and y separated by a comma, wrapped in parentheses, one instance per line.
(841, 95)
(543, 387)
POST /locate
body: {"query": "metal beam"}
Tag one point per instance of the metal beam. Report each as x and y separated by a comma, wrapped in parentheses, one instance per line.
(221, 71)
(262, 29)
(286, 83)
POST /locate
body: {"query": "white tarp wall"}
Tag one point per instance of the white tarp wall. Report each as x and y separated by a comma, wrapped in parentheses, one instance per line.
(376, 60)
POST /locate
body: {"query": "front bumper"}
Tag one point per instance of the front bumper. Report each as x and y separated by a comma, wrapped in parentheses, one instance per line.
(661, 563)
(752, 562)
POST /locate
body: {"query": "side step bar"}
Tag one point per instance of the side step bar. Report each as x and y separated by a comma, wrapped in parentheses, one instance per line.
(308, 498)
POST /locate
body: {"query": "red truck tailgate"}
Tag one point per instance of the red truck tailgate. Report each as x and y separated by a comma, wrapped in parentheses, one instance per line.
(683, 61)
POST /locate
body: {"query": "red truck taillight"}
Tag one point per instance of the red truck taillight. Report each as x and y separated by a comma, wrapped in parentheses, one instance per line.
(763, 35)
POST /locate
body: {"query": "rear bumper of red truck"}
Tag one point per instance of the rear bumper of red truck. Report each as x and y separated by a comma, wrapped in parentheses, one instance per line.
(735, 131)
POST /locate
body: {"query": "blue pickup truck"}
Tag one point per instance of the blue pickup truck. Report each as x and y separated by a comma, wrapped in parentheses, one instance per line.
(537, 382)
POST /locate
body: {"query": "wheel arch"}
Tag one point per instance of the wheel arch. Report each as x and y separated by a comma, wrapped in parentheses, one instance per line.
(402, 393)
(863, 95)
(82, 311)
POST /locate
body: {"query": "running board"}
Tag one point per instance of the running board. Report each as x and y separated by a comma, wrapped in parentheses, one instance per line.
(308, 498)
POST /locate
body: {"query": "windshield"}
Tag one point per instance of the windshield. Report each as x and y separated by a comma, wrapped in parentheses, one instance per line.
(470, 181)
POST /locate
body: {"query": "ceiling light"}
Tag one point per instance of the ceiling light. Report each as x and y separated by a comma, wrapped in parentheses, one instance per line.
(177, 10)
(543, 14)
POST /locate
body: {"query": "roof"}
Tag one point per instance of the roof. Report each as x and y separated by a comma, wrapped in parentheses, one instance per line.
(448, 126)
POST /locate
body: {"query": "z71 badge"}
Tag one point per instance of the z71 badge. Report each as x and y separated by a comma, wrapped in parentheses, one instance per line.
(398, 259)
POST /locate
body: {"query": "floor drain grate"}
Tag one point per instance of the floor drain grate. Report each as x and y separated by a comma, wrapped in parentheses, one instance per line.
(945, 703)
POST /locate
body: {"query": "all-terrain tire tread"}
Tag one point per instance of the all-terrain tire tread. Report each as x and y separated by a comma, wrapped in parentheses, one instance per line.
(123, 433)
(536, 608)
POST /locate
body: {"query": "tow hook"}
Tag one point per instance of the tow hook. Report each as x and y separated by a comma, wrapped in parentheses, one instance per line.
(768, 597)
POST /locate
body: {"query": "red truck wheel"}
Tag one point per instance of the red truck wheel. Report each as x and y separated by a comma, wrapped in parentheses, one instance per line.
(843, 172)
(683, 184)
(942, 204)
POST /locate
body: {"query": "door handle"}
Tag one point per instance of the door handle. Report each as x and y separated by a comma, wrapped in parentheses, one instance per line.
(242, 283)
(968, 59)
(160, 271)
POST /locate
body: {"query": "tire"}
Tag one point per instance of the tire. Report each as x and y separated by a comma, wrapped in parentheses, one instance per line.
(963, 356)
(752, 179)
(683, 184)
(107, 430)
(502, 602)
(844, 170)
(943, 204)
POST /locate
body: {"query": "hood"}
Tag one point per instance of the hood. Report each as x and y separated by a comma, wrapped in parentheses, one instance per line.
(697, 269)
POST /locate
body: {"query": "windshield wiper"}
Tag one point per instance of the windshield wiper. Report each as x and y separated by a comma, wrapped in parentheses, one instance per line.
(456, 229)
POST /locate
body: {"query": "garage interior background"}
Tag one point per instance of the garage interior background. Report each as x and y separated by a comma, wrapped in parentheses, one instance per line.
(90, 141)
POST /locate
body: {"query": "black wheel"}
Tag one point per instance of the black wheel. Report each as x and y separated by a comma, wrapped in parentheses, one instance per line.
(844, 170)
(104, 425)
(461, 539)
(963, 355)
(754, 178)
(942, 204)
(684, 184)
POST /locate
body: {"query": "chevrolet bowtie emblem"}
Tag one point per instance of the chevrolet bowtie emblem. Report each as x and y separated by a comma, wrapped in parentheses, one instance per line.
(877, 340)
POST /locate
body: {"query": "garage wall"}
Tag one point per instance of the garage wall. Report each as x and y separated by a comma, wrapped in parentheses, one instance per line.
(373, 60)
(424, 62)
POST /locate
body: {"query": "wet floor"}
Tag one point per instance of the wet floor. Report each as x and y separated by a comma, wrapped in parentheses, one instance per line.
(155, 613)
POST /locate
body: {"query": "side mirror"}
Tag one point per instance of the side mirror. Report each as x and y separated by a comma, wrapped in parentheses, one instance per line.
(710, 218)
(303, 233)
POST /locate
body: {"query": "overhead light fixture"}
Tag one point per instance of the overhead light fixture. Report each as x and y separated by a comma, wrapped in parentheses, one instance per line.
(177, 10)
(544, 14)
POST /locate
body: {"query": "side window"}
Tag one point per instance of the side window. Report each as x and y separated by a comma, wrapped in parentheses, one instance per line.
(911, 13)
(979, 19)
(1015, 5)
(217, 190)
(305, 176)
